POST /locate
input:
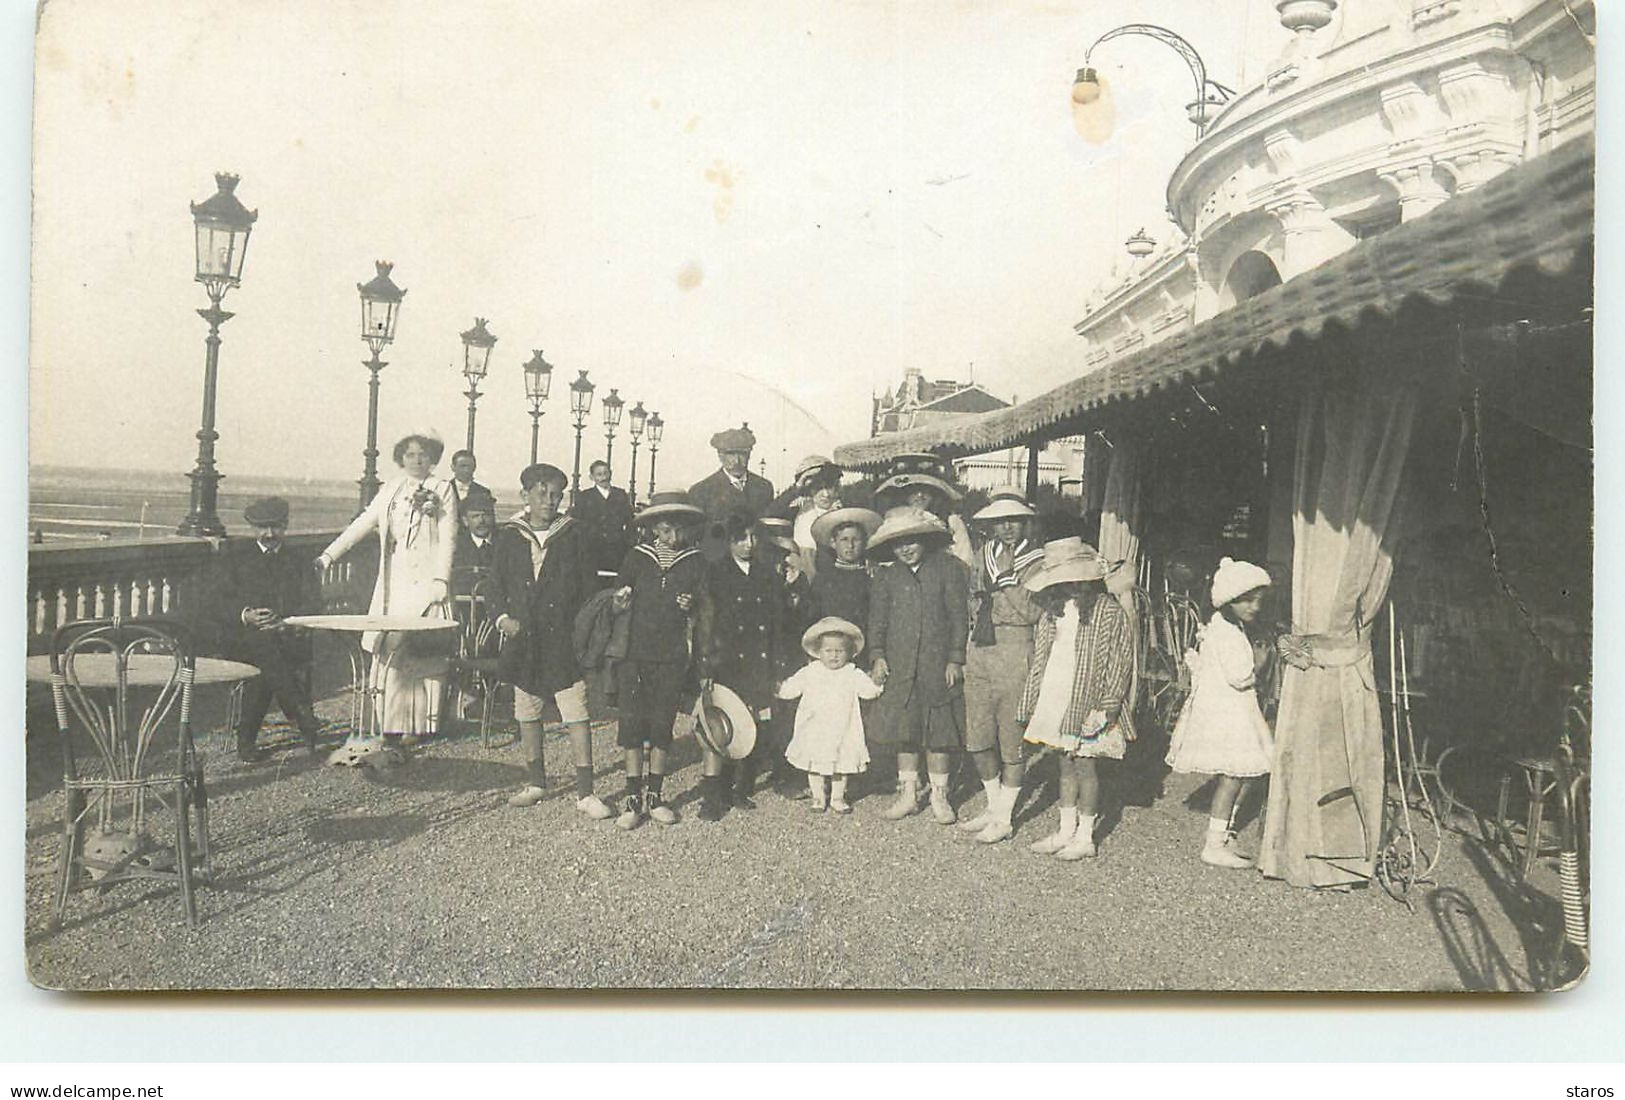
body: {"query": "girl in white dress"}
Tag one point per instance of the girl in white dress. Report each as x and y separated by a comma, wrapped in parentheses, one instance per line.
(1222, 731)
(415, 516)
(828, 742)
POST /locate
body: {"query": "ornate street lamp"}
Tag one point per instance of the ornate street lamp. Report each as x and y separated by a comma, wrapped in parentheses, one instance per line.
(538, 381)
(1210, 95)
(657, 428)
(222, 225)
(1141, 244)
(635, 422)
(380, 309)
(612, 417)
(477, 345)
(580, 406)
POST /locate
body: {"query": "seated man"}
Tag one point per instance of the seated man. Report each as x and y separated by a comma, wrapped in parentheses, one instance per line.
(262, 586)
(476, 538)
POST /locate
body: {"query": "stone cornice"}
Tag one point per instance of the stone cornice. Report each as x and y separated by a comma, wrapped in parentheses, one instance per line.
(1154, 277)
(1226, 145)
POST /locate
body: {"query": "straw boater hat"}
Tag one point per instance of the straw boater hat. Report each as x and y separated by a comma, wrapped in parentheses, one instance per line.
(1066, 560)
(829, 624)
(1234, 579)
(779, 532)
(726, 727)
(672, 505)
(734, 439)
(1006, 504)
(825, 526)
(909, 523)
(267, 512)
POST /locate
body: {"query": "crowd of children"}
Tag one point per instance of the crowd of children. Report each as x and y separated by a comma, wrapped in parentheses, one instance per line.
(894, 638)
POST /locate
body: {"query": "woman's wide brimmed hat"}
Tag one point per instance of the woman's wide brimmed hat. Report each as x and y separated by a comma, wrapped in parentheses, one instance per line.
(1066, 561)
(1234, 579)
(829, 624)
(906, 524)
(825, 526)
(725, 727)
(907, 483)
(814, 464)
(1006, 504)
(672, 505)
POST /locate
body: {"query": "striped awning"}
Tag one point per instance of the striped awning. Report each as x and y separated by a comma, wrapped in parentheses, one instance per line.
(1539, 212)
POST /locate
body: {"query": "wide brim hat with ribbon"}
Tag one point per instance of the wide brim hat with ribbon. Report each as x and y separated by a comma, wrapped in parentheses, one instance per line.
(830, 624)
(813, 464)
(1005, 504)
(825, 526)
(267, 512)
(1066, 561)
(673, 505)
(1234, 579)
(734, 439)
(907, 523)
(907, 483)
(726, 727)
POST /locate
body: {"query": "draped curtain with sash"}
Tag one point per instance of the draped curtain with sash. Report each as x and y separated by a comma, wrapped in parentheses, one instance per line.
(1120, 529)
(1323, 824)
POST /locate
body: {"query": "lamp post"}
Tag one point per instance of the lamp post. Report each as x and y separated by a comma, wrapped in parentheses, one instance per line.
(612, 417)
(222, 225)
(538, 380)
(380, 309)
(477, 345)
(580, 406)
(636, 419)
(1209, 93)
(657, 428)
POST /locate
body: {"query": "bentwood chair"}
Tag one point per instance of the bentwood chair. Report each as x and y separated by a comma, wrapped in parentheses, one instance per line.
(478, 644)
(116, 685)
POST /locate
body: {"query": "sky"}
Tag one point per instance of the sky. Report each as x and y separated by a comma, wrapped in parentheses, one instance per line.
(729, 211)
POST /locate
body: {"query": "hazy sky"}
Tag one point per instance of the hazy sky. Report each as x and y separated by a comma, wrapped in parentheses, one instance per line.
(728, 210)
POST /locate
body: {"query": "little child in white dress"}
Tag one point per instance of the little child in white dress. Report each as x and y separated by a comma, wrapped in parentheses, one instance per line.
(828, 743)
(1222, 731)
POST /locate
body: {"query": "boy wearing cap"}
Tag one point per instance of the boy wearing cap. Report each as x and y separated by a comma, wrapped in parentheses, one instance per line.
(661, 583)
(541, 575)
(265, 584)
(1000, 653)
(731, 488)
(919, 623)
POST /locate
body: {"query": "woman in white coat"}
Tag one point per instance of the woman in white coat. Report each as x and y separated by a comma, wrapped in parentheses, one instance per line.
(415, 517)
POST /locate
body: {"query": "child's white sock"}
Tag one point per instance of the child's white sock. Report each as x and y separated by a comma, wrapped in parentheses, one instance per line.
(815, 784)
(1069, 821)
(1004, 807)
(837, 789)
(1086, 826)
(939, 782)
(991, 786)
(1217, 828)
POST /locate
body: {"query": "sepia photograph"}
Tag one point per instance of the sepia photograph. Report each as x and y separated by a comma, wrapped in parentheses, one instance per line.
(874, 495)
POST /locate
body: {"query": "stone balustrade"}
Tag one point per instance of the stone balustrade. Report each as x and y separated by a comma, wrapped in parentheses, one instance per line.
(165, 577)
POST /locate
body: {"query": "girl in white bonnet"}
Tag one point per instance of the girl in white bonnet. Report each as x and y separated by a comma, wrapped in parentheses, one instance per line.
(1222, 731)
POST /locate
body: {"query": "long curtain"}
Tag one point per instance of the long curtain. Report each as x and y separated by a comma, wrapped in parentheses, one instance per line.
(1324, 820)
(1120, 530)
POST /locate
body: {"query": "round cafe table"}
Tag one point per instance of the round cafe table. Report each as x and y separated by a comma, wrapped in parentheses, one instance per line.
(144, 670)
(367, 678)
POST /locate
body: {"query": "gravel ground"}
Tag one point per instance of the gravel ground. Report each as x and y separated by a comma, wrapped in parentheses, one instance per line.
(421, 878)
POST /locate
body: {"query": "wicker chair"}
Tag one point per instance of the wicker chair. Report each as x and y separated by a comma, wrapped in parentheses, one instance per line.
(121, 680)
(478, 644)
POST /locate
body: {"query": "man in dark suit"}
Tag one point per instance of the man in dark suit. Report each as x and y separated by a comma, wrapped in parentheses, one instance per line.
(463, 485)
(475, 539)
(606, 514)
(264, 584)
(732, 488)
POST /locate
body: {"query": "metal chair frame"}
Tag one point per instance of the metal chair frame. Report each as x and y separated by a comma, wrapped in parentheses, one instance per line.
(477, 671)
(114, 784)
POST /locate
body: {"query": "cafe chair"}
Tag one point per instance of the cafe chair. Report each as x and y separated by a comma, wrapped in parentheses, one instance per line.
(123, 696)
(478, 644)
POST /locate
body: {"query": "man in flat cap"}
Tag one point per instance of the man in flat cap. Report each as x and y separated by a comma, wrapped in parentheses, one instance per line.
(732, 488)
(264, 584)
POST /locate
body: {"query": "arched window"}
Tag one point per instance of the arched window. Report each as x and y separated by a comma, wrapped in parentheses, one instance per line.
(1251, 275)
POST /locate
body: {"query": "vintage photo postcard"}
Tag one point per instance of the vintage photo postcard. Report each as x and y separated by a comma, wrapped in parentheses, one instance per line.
(872, 495)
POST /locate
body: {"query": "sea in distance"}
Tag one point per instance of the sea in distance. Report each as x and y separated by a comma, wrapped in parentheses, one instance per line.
(69, 505)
